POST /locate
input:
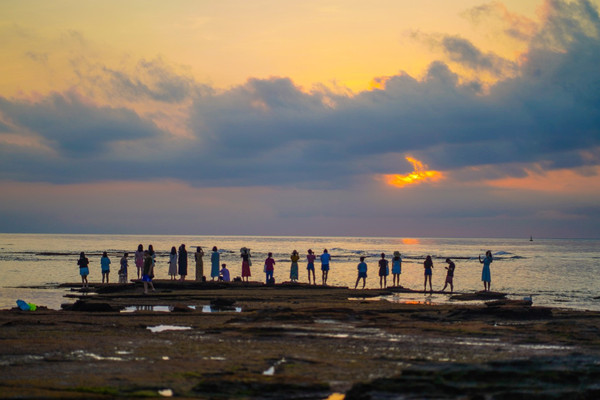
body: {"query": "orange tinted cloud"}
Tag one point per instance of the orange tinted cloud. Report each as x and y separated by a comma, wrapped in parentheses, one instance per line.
(563, 180)
(420, 174)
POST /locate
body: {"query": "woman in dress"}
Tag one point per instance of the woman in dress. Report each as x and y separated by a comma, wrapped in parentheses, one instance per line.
(294, 267)
(198, 257)
(486, 274)
(173, 263)
(139, 260)
(215, 258)
(245, 254)
(428, 265)
(396, 267)
(183, 262)
(84, 269)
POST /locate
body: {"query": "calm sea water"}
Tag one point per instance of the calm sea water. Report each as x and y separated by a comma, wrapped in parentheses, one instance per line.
(559, 273)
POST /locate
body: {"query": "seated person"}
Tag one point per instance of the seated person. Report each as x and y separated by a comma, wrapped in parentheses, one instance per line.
(224, 274)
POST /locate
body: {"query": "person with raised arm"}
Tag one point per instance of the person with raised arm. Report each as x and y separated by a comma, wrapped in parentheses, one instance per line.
(486, 274)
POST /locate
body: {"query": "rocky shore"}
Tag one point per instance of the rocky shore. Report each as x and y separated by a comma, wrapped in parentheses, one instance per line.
(216, 341)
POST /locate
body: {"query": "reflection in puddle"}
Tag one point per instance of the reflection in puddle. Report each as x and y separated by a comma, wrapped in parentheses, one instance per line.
(213, 309)
(162, 328)
(346, 331)
(84, 355)
(205, 309)
(147, 308)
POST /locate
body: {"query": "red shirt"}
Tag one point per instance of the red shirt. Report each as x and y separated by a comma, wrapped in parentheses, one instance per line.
(269, 264)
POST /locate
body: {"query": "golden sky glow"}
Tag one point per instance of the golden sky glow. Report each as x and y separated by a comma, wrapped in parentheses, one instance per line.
(223, 43)
(420, 174)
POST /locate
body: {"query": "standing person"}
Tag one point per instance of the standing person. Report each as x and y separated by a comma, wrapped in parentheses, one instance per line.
(384, 271)
(325, 258)
(123, 270)
(294, 267)
(486, 274)
(183, 261)
(84, 269)
(148, 272)
(270, 269)
(245, 254)
(199, 258)
(310, 266)
(153, 256)
(139, 260)
(449, 275)
(105, 265)
(362, 272)
(215, 258)
(396, 267)
(173, 263)
(428, 265)
(224, 275)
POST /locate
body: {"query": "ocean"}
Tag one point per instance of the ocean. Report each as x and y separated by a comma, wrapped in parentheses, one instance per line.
(555, 272)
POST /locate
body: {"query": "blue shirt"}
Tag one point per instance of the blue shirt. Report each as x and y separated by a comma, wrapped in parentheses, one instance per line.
(325, 257)
(362, 267)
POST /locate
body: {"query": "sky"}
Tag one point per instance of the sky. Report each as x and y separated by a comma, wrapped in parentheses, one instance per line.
(468, 118)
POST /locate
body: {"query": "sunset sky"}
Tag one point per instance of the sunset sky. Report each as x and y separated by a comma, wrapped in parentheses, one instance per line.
(464, 118)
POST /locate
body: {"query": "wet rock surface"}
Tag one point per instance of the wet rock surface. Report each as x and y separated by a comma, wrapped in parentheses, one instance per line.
(295, 341)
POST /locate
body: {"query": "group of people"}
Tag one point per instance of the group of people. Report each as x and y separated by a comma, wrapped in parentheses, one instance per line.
(145, 261)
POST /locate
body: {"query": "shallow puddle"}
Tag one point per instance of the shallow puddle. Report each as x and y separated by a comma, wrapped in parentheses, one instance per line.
(271, 370)
(205, 309)
(163, 328)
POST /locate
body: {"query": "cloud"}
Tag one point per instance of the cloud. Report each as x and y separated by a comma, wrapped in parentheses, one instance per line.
(74, 127)
(151, 79)
(511, 24)
(464, 52)
(270, 132)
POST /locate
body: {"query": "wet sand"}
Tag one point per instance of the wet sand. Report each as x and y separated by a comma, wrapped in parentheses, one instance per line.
(294, 342)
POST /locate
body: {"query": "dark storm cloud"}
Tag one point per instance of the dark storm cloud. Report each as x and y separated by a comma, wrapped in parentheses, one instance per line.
(75, 128)
(270, 132)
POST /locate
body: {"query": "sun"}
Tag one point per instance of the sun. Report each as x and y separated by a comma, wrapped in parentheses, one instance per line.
(420, 174)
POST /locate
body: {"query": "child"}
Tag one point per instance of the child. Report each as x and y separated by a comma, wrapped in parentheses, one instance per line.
(224, 275)
(362, 272)
(310, 266)
(84, 271)
(449, 275)
(123, 270)
(383, 271)
(105, 264)
(270, 268)
(397, 267)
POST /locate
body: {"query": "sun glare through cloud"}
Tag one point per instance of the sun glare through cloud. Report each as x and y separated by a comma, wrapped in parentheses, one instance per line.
(420, 174)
